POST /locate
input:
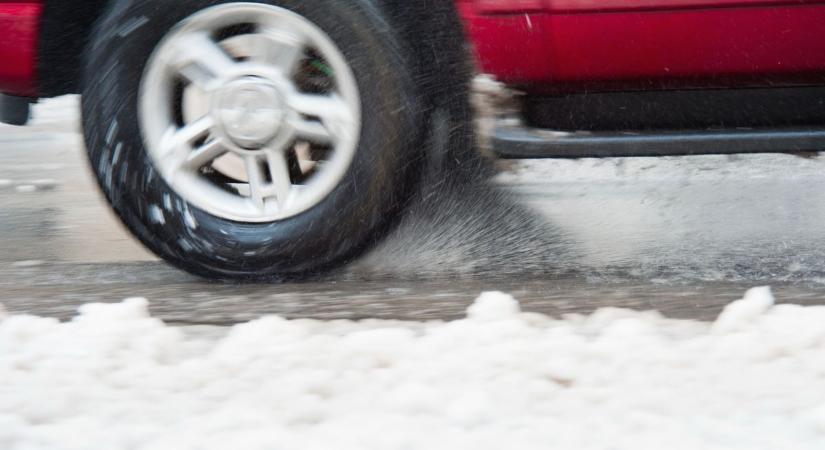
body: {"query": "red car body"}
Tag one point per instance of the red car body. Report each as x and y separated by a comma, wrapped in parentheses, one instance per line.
(627, 44)
(19, 26)
(574, 45)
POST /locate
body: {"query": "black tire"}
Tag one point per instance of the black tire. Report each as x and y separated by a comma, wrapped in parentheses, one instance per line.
(399, 110)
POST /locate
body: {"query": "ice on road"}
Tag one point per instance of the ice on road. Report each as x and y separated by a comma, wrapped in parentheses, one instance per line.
(115, 378)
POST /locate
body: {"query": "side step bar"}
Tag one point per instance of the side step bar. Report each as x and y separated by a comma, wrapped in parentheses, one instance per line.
(516, 142)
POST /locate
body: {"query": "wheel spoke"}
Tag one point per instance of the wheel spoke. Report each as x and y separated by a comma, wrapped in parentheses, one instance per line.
(179, 147)
(319, 105)
(331, 110)
(257, 181)
(200, 60)
(280, 47)
(311, 130)
(279, 170)
(178, 142)
(205, 154)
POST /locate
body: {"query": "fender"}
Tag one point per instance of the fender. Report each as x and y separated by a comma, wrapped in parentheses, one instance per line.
(444, 50)
(64, 27)
(64, 31)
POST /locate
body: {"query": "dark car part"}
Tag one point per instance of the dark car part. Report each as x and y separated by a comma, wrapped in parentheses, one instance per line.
(663, 123)
(521, 142)
(15, 110)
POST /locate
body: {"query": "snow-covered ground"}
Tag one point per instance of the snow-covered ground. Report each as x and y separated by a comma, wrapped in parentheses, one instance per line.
(115, 378)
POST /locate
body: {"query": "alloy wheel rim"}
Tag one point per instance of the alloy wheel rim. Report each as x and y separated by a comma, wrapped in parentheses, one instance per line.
(250, 112)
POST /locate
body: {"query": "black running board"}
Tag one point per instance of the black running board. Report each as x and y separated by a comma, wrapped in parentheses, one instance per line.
(515, 142)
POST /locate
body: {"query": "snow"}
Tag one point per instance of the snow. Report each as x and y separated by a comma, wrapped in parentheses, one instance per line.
(116, 378)
(737, 316)
(493, 306)
(29, 186)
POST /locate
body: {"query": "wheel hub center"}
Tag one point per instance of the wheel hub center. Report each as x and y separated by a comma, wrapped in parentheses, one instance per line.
(250, 111)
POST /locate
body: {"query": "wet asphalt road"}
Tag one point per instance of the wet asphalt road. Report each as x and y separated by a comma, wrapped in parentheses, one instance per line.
(683, 236)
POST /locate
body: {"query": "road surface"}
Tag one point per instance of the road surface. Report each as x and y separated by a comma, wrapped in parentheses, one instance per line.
(684, 236)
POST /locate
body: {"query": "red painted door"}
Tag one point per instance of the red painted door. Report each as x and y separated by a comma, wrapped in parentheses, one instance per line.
(642, 44)
(631, 5)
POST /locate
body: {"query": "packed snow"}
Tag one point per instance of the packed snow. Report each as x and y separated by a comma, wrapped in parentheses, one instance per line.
(115, 378)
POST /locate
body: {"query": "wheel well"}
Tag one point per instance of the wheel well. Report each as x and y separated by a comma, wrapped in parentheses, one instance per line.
(435, 34)
(64, 31)
(442, 63)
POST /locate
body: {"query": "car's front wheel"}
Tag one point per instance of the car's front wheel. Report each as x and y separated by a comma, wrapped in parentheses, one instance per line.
(253, 139)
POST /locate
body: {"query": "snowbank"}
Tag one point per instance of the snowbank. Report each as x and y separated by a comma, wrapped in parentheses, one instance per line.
(114, 378)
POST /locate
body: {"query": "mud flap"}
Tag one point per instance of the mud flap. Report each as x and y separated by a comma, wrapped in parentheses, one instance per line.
(15, 110)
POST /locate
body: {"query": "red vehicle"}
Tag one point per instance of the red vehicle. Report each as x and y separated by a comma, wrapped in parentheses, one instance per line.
(282, 137)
